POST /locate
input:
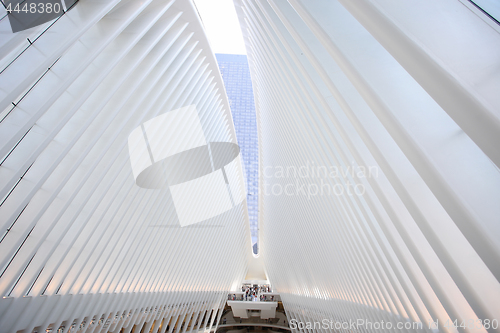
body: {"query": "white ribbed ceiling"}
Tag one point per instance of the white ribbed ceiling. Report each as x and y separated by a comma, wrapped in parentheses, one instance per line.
(85, 243)
(379, 127)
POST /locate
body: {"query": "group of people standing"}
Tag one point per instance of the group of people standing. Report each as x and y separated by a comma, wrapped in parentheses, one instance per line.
(252, 292)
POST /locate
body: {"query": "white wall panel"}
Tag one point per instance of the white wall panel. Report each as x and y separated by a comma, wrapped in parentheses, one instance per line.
(402, 89)
(83, 247)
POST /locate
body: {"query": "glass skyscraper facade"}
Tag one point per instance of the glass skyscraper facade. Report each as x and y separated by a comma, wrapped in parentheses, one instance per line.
(236, 76)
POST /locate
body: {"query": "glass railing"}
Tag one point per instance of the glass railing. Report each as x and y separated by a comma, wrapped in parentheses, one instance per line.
(261, 297)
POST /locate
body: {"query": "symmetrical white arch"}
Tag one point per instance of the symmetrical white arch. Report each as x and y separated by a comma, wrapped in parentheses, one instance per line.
(379, 126)
(83, 247)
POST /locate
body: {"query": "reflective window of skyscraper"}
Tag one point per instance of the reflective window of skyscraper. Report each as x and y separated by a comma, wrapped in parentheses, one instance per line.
(236, 76)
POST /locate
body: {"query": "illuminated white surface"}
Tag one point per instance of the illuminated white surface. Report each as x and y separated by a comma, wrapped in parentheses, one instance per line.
(406, 88)
(235, 183)
(138, 151)
(200, 199)
(82, 245)
(174, 132)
